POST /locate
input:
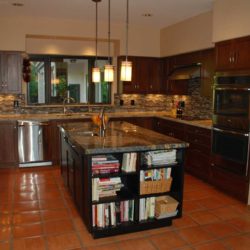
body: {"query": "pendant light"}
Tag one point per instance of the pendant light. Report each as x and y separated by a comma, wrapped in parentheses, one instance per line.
(96, 74)
(126, 66)
(108, 68)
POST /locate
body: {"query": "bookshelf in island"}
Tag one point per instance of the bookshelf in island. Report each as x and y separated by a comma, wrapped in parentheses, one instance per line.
(130, 180)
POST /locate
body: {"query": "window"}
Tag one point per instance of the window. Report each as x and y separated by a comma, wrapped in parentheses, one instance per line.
(55, 78)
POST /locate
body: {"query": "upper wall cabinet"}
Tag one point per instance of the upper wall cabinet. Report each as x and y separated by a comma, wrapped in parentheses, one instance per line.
(233, 54)
(146, 75)
(10, 72)
(180, 87)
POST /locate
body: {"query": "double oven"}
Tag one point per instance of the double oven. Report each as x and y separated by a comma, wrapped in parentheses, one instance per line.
(231, 121)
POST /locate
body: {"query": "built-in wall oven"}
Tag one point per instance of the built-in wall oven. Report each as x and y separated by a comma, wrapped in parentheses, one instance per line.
(230, 135)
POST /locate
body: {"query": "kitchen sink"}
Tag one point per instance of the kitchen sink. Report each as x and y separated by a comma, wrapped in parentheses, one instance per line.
(87, 133)
(74, 114)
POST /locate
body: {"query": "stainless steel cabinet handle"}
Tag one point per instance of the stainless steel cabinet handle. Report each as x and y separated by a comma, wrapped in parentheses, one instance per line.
(231, 132)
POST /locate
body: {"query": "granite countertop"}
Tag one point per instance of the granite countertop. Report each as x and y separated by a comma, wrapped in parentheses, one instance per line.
(120, 137)
(206, 123)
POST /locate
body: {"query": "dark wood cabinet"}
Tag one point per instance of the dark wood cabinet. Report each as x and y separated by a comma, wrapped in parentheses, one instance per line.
(233, 54)
(8, 147)
(71, 170)
(64, 159)
(180, 87)
(198, 154)
(52, 138)
(233, 184)
(10, 72)
(197, 160)
(146, 75)
(170, 128)
(145, 122)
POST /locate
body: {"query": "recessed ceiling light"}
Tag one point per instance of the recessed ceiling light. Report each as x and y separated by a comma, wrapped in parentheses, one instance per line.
(147, 15)
(18, 4)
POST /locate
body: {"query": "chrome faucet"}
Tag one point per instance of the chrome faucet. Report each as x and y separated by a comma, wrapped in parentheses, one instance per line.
(65, 101)
(103, 122)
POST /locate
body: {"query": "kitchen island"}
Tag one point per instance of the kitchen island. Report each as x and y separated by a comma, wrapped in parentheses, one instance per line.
(129, 180)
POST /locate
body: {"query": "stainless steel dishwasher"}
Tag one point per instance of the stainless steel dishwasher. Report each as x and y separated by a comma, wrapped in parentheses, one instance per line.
(31, 147)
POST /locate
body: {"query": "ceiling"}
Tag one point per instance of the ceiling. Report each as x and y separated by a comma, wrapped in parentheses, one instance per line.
(164, 12)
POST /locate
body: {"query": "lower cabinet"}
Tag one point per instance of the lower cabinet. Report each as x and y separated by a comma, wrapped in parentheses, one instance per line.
(198, 154)
(234, 184)
(145, 122)
(8, 146)
(170, 128)
(71, 170)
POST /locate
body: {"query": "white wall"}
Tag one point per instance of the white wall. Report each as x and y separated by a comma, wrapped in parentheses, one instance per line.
(231, 19)
(143, 41)
(189, 35)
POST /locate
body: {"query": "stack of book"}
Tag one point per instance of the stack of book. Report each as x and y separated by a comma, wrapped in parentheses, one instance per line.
(147, 208)
(155, 174)
(159, 157)
(112, 214)
(105, 164)
(105, 187)
(129, 162)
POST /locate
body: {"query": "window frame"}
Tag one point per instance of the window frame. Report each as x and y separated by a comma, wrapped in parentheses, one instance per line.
(47, 59)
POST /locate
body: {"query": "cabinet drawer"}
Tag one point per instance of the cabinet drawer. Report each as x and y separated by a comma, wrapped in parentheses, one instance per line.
(229, 182)
(198, 164)
(200, 148)
(198, 131)
(200, 139)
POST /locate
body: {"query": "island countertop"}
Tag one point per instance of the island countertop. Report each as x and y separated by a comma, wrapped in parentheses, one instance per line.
(120, 137)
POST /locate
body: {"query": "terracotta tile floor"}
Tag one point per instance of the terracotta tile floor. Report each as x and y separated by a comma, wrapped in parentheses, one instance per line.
(37, 213)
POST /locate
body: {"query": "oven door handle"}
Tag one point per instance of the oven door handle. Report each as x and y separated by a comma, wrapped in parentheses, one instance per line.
(231, 132)
(232, 88)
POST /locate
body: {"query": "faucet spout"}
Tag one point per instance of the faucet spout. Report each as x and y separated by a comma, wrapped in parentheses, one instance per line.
(103, 122)
(65, 101)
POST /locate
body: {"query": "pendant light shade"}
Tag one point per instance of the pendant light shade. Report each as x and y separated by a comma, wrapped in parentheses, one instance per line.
(126, 71)
(126, 66)
(108, 68)
(96, 73)
(108, 73)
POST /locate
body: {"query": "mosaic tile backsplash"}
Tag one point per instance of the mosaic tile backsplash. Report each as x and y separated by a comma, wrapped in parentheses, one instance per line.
(195, 104)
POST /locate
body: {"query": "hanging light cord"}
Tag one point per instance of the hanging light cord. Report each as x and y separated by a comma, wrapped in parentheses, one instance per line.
(109, 59)
(127, 30)
(96, 32)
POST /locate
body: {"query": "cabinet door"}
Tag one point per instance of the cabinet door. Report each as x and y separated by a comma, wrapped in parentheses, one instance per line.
(78, 181)
(207, 72)
(11, 72)
(155, 76)
(241, 53)
(224, 55)
(170, 128)
(64, 159)
(198, 162)
(71, 172)
(8, 146)
(231, 183)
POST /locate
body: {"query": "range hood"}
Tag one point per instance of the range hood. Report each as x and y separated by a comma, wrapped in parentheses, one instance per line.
(186, 72)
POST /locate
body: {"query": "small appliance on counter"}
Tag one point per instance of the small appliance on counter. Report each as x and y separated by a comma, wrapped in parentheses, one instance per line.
(180, 109)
